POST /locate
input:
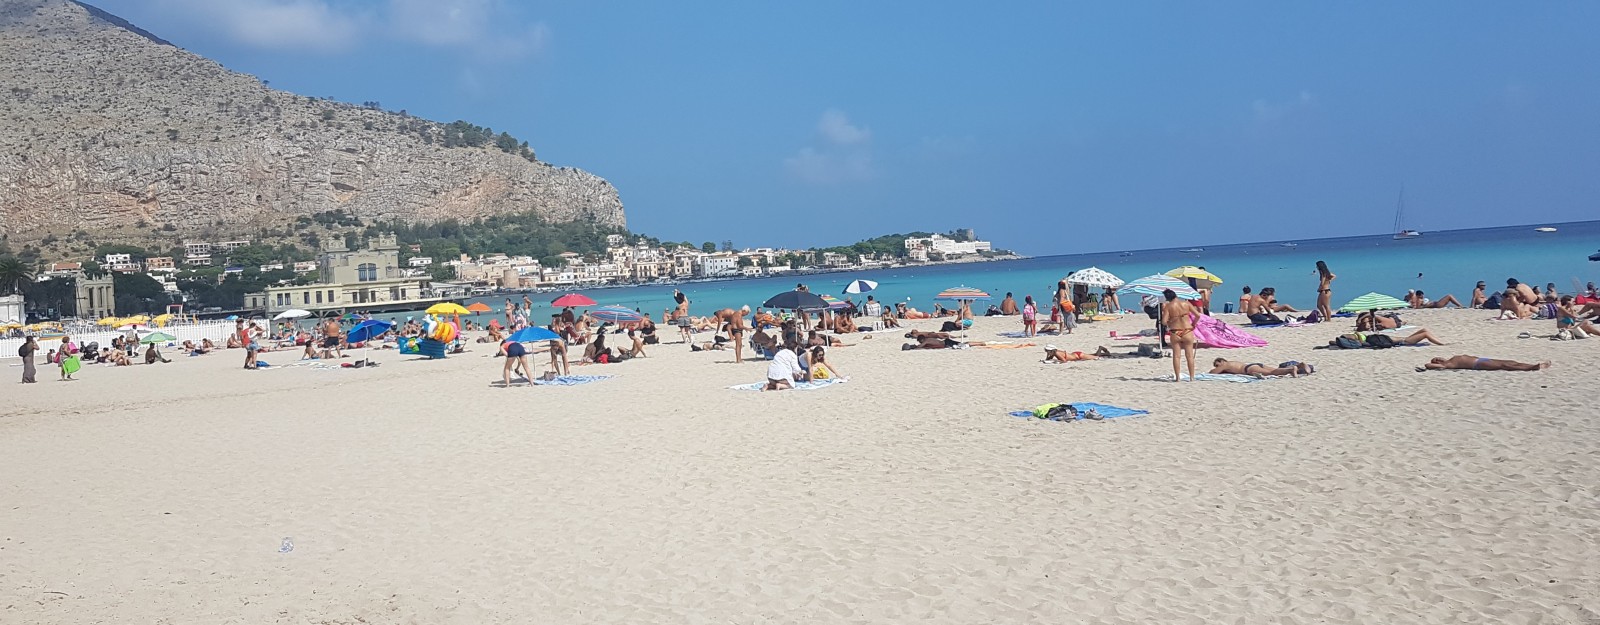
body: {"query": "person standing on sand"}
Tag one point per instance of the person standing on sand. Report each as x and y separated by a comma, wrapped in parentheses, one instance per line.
(733, 321)
(1065, 307)
(680, 315)
(1008, 306)
(332, 337)
(517, 357)
(1030, 317)
(1324, 291)
(29, 348)
(1178, 316)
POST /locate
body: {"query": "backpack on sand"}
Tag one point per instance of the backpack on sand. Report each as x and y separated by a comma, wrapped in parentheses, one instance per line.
(1380, 341)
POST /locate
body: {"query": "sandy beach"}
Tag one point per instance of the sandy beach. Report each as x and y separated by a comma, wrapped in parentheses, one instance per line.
(420, 492)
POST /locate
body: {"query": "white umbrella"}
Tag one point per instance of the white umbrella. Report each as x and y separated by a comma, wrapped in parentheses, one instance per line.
(292, 313)
(1094, 276)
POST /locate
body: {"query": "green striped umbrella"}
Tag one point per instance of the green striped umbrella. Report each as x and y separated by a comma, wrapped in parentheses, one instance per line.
(1372, 301)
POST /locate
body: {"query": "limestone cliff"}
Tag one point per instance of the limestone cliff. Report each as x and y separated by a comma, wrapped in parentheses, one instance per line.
(109, 130)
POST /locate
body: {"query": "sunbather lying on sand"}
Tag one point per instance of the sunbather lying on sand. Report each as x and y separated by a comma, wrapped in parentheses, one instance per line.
(934, 340)
(1415, 337)
(1481, 364)
(1366, 321)
(1257, 370)
(1053, 354)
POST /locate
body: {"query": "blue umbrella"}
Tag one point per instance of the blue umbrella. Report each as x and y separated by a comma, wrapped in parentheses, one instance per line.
(232, 317)
(616, 314)
(366, 330)
(533, 334)
(796, 300)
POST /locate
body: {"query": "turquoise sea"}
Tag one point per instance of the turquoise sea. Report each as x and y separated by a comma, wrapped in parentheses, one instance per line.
(1439, 263)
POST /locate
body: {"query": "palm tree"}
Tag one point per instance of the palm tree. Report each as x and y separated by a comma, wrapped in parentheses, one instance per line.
(15, 276)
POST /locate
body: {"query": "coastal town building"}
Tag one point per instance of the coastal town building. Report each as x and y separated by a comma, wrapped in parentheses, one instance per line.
(11, 309)
(369, 279)
(160, 264)
(939, 247)
(197, 253)
(95, 297)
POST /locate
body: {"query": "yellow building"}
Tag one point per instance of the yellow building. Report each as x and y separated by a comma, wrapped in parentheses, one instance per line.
(370, 279)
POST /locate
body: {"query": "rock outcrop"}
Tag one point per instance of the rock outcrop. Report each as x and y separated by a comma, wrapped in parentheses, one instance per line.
(109, 130)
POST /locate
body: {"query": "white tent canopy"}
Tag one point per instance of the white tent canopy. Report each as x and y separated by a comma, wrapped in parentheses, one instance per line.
(1094, 276)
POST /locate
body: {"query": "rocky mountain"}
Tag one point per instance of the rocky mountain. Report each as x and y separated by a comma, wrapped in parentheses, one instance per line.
(110, 134)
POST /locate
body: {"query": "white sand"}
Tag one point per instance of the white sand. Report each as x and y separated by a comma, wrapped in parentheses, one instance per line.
(417, 493)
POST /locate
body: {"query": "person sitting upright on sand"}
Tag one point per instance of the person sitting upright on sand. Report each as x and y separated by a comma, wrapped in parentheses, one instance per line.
(1008, 306)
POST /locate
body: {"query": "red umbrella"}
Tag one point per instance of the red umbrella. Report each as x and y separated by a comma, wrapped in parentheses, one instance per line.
(572, 299)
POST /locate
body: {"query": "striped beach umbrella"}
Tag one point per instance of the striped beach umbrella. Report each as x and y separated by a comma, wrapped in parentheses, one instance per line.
(1154, 285)
(1372, 301)
(834, 303)
(1094, 276)
(616, 314)
(857, 287)
(962, 294)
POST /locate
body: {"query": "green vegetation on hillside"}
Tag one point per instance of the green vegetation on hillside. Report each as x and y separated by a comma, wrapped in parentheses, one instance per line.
(515, 235)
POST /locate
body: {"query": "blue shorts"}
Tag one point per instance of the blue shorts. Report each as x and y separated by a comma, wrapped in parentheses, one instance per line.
(516, 350)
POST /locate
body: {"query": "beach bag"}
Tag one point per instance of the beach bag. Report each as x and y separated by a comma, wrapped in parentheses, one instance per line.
(1264, 319)
(1563, 335)
(1492, 303)
(22, 352)
(1346, 342)
(1380, 341)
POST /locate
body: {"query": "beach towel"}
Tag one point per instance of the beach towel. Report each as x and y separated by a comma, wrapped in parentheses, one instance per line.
(799, 386)
(571, 380)
(1107, 411)
(1218, 377)
(1213, 332)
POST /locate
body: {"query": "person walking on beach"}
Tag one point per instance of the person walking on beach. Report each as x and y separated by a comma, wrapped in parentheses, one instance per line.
(1065, 308)
(734, 322)
(1324, 291)
(28, 349)
(332, 337)
(1178, 316)
(68, 352)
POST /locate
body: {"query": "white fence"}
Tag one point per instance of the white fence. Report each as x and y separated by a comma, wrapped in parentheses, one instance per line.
(217, 331)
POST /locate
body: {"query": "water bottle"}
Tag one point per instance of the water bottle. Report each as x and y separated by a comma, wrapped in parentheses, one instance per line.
(287, 546)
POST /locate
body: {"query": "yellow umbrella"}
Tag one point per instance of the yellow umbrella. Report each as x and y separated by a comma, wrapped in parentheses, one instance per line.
(1202, 279)
(109, 321)
(447, 308)
(161, 320)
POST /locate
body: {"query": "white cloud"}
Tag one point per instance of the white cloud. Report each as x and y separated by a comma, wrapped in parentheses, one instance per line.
(835, 126)
(277, 24)
(1271, 111)
(479, 26)
(485, 29)
(846, 156)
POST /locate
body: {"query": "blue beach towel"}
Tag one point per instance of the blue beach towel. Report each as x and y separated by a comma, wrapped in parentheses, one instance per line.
(571, 380)
(1219, 377)
(1107, 411)
(799, 386)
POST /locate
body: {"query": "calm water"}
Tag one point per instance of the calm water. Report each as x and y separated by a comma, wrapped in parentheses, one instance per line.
(1448, 262)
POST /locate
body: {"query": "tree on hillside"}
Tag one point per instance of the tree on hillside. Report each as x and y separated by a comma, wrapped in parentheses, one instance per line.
(15, 275)
(138, 293)
(708, 247)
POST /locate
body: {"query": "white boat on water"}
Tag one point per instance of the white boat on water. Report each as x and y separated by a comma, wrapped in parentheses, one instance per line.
(1289, 244)
(1193, 250)
(1546, 229)
(1400, 232)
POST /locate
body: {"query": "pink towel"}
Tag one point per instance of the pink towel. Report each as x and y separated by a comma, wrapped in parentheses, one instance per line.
(1212, 332)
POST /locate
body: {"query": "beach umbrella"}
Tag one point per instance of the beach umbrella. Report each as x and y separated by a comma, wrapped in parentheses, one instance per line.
(162, 320)
(109, 321)
(292, 313)
(857, 287)
(365, 331)
(963, 294)
(231, 318)
(480, 307)
(533, 334)
(1094, 276)
(1372, 301)
(796, 300)
(350, 317)
(157, 337)
(1154, 285)
(834, 303)
(572, 300)
(447, 308)
(1199, 278)
(616, 314)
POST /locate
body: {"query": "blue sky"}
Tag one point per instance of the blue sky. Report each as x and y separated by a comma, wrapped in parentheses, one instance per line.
(1050, 127)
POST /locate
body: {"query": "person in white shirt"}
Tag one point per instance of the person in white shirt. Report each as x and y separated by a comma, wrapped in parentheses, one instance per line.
(784, 369)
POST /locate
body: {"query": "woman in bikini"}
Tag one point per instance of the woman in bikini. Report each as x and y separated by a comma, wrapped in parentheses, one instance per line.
(1065, 307)
(1258, 370)
(1480, 364)
(1177, 315)
(1053, 354)
(1570, 318)
(1324, 290)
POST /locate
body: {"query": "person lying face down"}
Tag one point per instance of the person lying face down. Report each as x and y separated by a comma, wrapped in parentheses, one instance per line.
(1257, 370)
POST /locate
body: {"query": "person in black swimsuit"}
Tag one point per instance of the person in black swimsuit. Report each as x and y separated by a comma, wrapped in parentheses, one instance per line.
(517, 357)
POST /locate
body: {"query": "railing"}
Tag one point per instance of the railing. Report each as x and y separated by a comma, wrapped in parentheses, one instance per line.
(217, 331)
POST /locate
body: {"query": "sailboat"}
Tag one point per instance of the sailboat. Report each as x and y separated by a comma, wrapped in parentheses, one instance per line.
(1399, 220)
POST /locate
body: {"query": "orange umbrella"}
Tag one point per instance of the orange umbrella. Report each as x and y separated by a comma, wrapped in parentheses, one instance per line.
(480, 307)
